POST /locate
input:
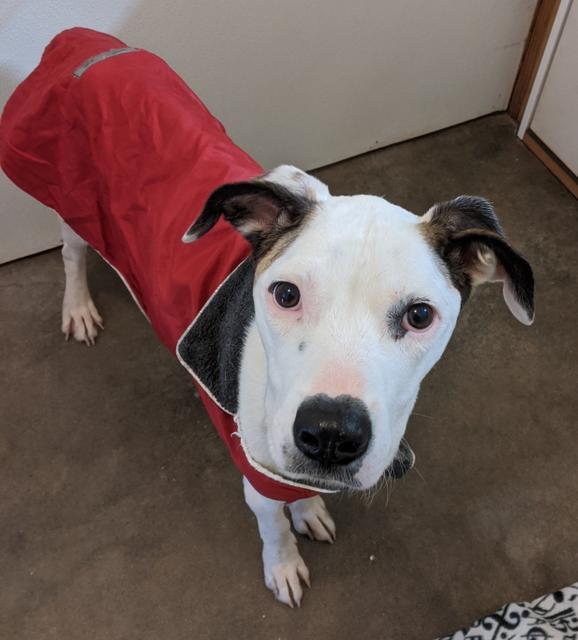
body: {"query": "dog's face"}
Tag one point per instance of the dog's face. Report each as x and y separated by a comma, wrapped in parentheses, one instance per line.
(355, 301)
(352, 315)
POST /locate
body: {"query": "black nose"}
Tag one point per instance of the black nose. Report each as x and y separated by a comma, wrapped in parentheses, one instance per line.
(332, 430)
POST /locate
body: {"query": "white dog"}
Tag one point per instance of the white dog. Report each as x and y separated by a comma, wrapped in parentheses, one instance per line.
(351, 313)
(318, 341)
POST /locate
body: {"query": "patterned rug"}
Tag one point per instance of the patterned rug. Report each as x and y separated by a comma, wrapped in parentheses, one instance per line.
(551, 617)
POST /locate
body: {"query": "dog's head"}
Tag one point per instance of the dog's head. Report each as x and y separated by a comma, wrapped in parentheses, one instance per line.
(355, 301)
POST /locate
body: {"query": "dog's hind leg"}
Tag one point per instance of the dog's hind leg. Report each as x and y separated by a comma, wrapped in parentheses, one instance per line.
(79, 315)
(283, 565)
(311, 518)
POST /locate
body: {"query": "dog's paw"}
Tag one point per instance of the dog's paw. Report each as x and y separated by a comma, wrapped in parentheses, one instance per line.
(285, 571)
(311, 518)
(81, 321)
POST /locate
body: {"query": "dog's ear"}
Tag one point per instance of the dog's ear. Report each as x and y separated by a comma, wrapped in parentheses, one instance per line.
(465, 232)
(261, 208)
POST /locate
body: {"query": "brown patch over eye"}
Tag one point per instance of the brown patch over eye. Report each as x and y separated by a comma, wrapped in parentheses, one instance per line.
(409, 314)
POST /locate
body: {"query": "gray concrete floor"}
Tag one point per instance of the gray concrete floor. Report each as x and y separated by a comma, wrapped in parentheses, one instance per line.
(121, 516)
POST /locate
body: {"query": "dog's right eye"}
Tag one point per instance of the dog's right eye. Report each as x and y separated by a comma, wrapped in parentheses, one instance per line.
(286, 294)
(418, 317)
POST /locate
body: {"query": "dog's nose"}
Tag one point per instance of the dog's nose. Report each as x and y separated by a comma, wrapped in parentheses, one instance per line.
(332, 430)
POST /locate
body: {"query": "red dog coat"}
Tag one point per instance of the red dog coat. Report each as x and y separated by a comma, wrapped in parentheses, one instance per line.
(113, 140)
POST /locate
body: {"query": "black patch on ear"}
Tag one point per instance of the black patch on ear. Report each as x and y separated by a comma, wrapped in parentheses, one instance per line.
(260, 210)
(456, 230)
(517, 268)
(465, 212)
(212, 348)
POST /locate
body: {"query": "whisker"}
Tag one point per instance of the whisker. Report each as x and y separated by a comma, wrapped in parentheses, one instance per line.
(419, 474)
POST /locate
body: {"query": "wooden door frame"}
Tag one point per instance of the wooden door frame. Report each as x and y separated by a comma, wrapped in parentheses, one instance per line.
(540, 28)
(545, 30)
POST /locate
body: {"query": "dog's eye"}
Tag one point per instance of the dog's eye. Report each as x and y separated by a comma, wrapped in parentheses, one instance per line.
(286, 294)
(418, 317)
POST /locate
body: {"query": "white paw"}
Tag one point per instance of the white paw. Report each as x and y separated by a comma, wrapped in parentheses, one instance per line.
(285, 571)
(311, 518)
(81, 321)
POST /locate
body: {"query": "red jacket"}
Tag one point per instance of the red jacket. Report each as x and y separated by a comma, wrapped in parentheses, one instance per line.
(127, 155)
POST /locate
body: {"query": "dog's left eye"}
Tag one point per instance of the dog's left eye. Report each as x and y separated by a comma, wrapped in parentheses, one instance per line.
(286, 294)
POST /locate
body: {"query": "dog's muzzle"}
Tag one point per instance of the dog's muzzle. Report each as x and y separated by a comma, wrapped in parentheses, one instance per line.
(402, 463)
(332, 431)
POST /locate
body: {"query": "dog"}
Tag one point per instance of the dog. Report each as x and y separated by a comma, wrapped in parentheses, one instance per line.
(307, 321)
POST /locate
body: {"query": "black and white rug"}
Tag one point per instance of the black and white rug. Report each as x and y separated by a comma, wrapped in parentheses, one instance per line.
(551, 617)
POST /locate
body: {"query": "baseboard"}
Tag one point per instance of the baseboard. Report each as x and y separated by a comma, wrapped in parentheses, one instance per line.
(552, 162)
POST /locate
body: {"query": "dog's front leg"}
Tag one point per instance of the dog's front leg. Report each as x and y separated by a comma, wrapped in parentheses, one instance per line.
(284, 567)
(79, 315)
(311, 518)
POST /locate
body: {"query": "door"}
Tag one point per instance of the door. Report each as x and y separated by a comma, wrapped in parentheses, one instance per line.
(555, 120)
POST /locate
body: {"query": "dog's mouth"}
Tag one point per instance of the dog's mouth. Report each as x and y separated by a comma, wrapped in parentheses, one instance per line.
(337, 478)
(402, 463)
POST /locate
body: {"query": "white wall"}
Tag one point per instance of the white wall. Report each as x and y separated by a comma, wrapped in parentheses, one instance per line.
(297, 81)
(26, 26)
(555, 120)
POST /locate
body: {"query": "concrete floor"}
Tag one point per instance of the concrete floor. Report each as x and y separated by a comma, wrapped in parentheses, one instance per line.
(121, 516)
